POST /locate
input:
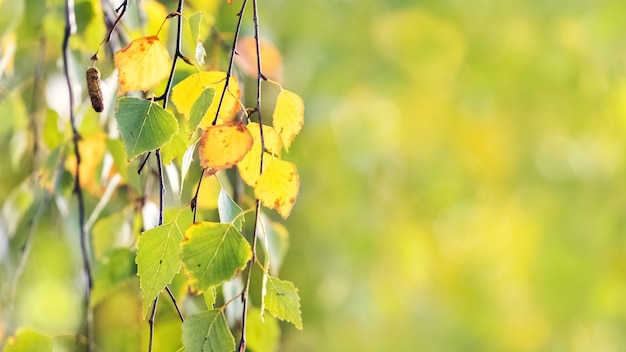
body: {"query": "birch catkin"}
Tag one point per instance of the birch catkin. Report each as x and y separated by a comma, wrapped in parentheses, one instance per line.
(93, 87)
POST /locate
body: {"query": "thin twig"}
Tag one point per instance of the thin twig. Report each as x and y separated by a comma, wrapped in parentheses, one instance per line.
(36, 96)
(165, 98)
(180, 313)
(260, 78)
(161, 186)
(122, 10)
(194, 200)
(70, 28)
(233, 52)
(143, 163)
(151, 322)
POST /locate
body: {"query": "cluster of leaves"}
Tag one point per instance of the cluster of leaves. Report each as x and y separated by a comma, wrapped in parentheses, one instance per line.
(208, 121)
(211, 253)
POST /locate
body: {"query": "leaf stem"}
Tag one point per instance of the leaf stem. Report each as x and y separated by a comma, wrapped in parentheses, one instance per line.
(260, 77)
(70, 28)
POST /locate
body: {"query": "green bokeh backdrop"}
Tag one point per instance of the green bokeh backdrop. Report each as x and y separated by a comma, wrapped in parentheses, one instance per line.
(461, 166)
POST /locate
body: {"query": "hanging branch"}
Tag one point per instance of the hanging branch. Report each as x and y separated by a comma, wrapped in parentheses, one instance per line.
(111, 25)
(36, 96)
(233, 52)
(260, 77)
(229, 72)
(165, 97)
(70, 28)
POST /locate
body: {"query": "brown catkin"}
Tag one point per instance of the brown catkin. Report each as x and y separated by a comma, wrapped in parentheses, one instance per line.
(93, 86)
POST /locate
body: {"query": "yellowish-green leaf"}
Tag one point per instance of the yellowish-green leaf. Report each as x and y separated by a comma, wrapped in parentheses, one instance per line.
(28, 340)
(229, 211)
(194, 25)
(277, 187)
(200, 108)
(111, 273)
(213, 253)
(263, 332)
(142, 64)
(93, 145)
(187, 92)
(223, 146)
(115, 147)
(208, 332)
(210, 296)
(157, 260)
(288, 116)
(276, 243)
(175, 148)
(250, 166)
(283, 302)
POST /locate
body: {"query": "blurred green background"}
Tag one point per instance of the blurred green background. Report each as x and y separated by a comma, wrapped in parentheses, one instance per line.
(460, 166)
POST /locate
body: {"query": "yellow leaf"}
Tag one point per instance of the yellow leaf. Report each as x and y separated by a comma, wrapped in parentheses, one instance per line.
(271, 60)
(288, 116)
(185, 94)
(250, 166)
(223, 146)
(92, 149)
(277, 187)
(208, 193)
(142, 64)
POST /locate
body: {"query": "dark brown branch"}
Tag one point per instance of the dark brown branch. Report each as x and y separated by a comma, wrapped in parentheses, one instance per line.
(257, 212)
(70, 28)
(151, 322)
(165, 98)
(233, 52)
(121, 10)
(194, 200)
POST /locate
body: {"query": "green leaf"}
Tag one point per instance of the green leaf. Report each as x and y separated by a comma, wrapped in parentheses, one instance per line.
(116, 148)
(184, 166)
(16, 206)
(144, 125)
(210, 296)
(111, 272)
(208, 332)
(108, 232)
(157, 260)
(263, 333)
(282, 301)
(228, 210)
(194, 25)
(28, 340)
(52, 136)
(276, 243)
(175, 148)
(213, 253)
(200, 107)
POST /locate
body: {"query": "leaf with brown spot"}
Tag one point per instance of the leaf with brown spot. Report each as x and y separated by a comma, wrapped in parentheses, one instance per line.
(223, 146)
(288, 116)
(250, 166)
(277, 187)
(142, 64)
